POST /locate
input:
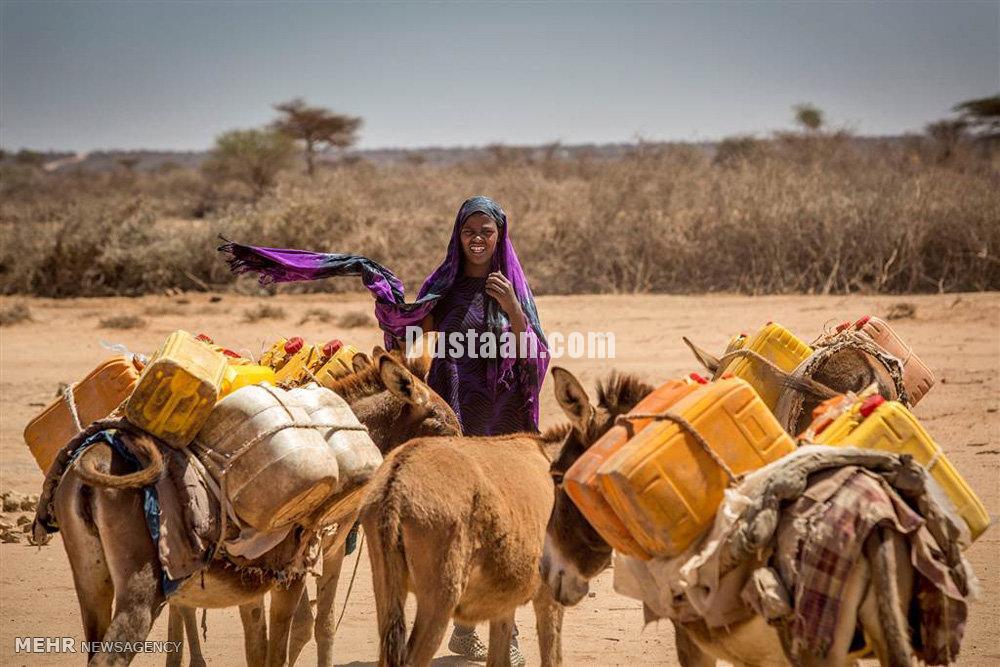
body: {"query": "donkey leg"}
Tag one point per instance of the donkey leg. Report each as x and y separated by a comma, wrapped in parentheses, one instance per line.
(429, 626)
(175, 633)
(302, 627)
(138, 601)
(689, 654)
(190, 617)
(95, 590)
(326, 592)
(548, 623)
(283, 604)
(883, 612)
(254, 633)
(501, 629)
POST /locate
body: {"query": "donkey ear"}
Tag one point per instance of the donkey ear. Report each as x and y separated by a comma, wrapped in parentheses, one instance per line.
(573, 399)
(360, 362)
(377, 351)
(400, 382)
(709, 361)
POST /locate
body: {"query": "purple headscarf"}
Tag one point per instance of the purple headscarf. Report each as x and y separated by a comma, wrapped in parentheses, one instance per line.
(391, 309)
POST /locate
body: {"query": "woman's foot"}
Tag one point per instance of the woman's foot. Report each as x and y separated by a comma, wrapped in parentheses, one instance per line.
(466, 643)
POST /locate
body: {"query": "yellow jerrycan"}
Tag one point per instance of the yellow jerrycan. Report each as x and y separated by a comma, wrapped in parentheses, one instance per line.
(875, 423)
(776, 344)
(667, 482)
(177, 390)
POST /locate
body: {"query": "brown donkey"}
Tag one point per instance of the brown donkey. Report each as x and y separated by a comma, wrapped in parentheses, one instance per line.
(115, 564)
(460, 522)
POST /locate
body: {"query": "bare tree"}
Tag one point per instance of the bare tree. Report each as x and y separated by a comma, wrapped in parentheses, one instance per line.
(252, 157)
(315, 127)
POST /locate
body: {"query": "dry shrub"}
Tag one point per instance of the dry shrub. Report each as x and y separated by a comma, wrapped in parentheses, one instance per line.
(122, 322)
(263, 311)
(354, 319)
(14, 314)
(316, 314)
(813, 214)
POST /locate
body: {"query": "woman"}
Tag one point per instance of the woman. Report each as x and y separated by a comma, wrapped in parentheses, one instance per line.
(479, 288)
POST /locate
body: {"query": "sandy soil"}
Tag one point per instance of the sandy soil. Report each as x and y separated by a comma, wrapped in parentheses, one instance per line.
(959, 336)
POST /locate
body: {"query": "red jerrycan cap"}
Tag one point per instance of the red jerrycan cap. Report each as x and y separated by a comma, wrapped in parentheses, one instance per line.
(862, 322)
(204, 338)
(293, 345)
(842, 326)
(230, 353)
(698, 378)
(332, 347)
(870, 405)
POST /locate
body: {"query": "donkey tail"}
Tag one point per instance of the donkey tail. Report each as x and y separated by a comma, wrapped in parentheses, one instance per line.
(142, 444)
(881, 551)
(381, 522)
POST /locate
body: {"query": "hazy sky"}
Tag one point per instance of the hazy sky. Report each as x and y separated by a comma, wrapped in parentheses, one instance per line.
(173, 75)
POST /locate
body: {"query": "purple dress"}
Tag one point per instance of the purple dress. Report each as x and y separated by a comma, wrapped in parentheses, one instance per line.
(482, 408)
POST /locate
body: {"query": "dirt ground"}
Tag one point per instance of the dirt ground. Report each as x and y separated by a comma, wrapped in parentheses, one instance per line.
(958, 335)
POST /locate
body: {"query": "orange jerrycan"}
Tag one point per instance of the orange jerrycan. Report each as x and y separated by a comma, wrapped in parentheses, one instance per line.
(178, 389)
(776, 344)
(918, 378)
(580, 481)
(665, 486)
(875, 423)
(95, 397)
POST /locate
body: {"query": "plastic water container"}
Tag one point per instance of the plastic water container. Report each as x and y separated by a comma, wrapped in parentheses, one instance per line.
(777, 344)
(874, 423)
(177, 390)
(580, 481)
(95, 396)
(665, 488)
(336, 362)
(277, 465)
(244, 375)
(357, 456)
(917, 377)
(291, 360)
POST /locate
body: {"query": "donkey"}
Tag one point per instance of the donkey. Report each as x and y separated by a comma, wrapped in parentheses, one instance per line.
(877, 594)
(460, 522)
(115, 563)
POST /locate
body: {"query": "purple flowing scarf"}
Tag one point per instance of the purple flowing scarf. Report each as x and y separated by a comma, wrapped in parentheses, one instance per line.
(391, 309)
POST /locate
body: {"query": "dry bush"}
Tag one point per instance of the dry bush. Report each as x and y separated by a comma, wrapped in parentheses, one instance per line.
(814, 214)
(14, 314)
(354, 319)
(122, 322)
(316, 314)
(263, 311)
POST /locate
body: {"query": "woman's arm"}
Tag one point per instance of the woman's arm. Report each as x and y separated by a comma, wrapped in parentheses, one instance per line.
(501, 289)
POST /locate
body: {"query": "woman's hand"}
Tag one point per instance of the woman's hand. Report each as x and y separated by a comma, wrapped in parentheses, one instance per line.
(501, 289)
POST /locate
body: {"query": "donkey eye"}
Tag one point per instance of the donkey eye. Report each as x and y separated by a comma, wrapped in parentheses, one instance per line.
(557, 476)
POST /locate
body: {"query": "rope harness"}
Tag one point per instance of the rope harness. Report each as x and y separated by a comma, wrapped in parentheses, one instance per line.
(687, 427)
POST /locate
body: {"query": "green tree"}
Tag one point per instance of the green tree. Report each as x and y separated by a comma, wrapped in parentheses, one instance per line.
(316, 128)
(251, 157)
(809, 117)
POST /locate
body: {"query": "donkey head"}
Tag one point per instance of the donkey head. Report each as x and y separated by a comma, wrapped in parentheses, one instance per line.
(574, 553)
(389, 396)
(848, 369)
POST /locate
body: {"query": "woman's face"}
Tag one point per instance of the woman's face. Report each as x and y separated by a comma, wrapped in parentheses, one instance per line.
(479, 240)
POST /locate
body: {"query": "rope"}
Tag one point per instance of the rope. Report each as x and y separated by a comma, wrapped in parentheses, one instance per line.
(350, 586)
(70, 399)
(689, 428)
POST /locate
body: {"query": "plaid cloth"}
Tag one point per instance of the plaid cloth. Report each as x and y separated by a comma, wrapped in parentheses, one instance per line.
(821, 538)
